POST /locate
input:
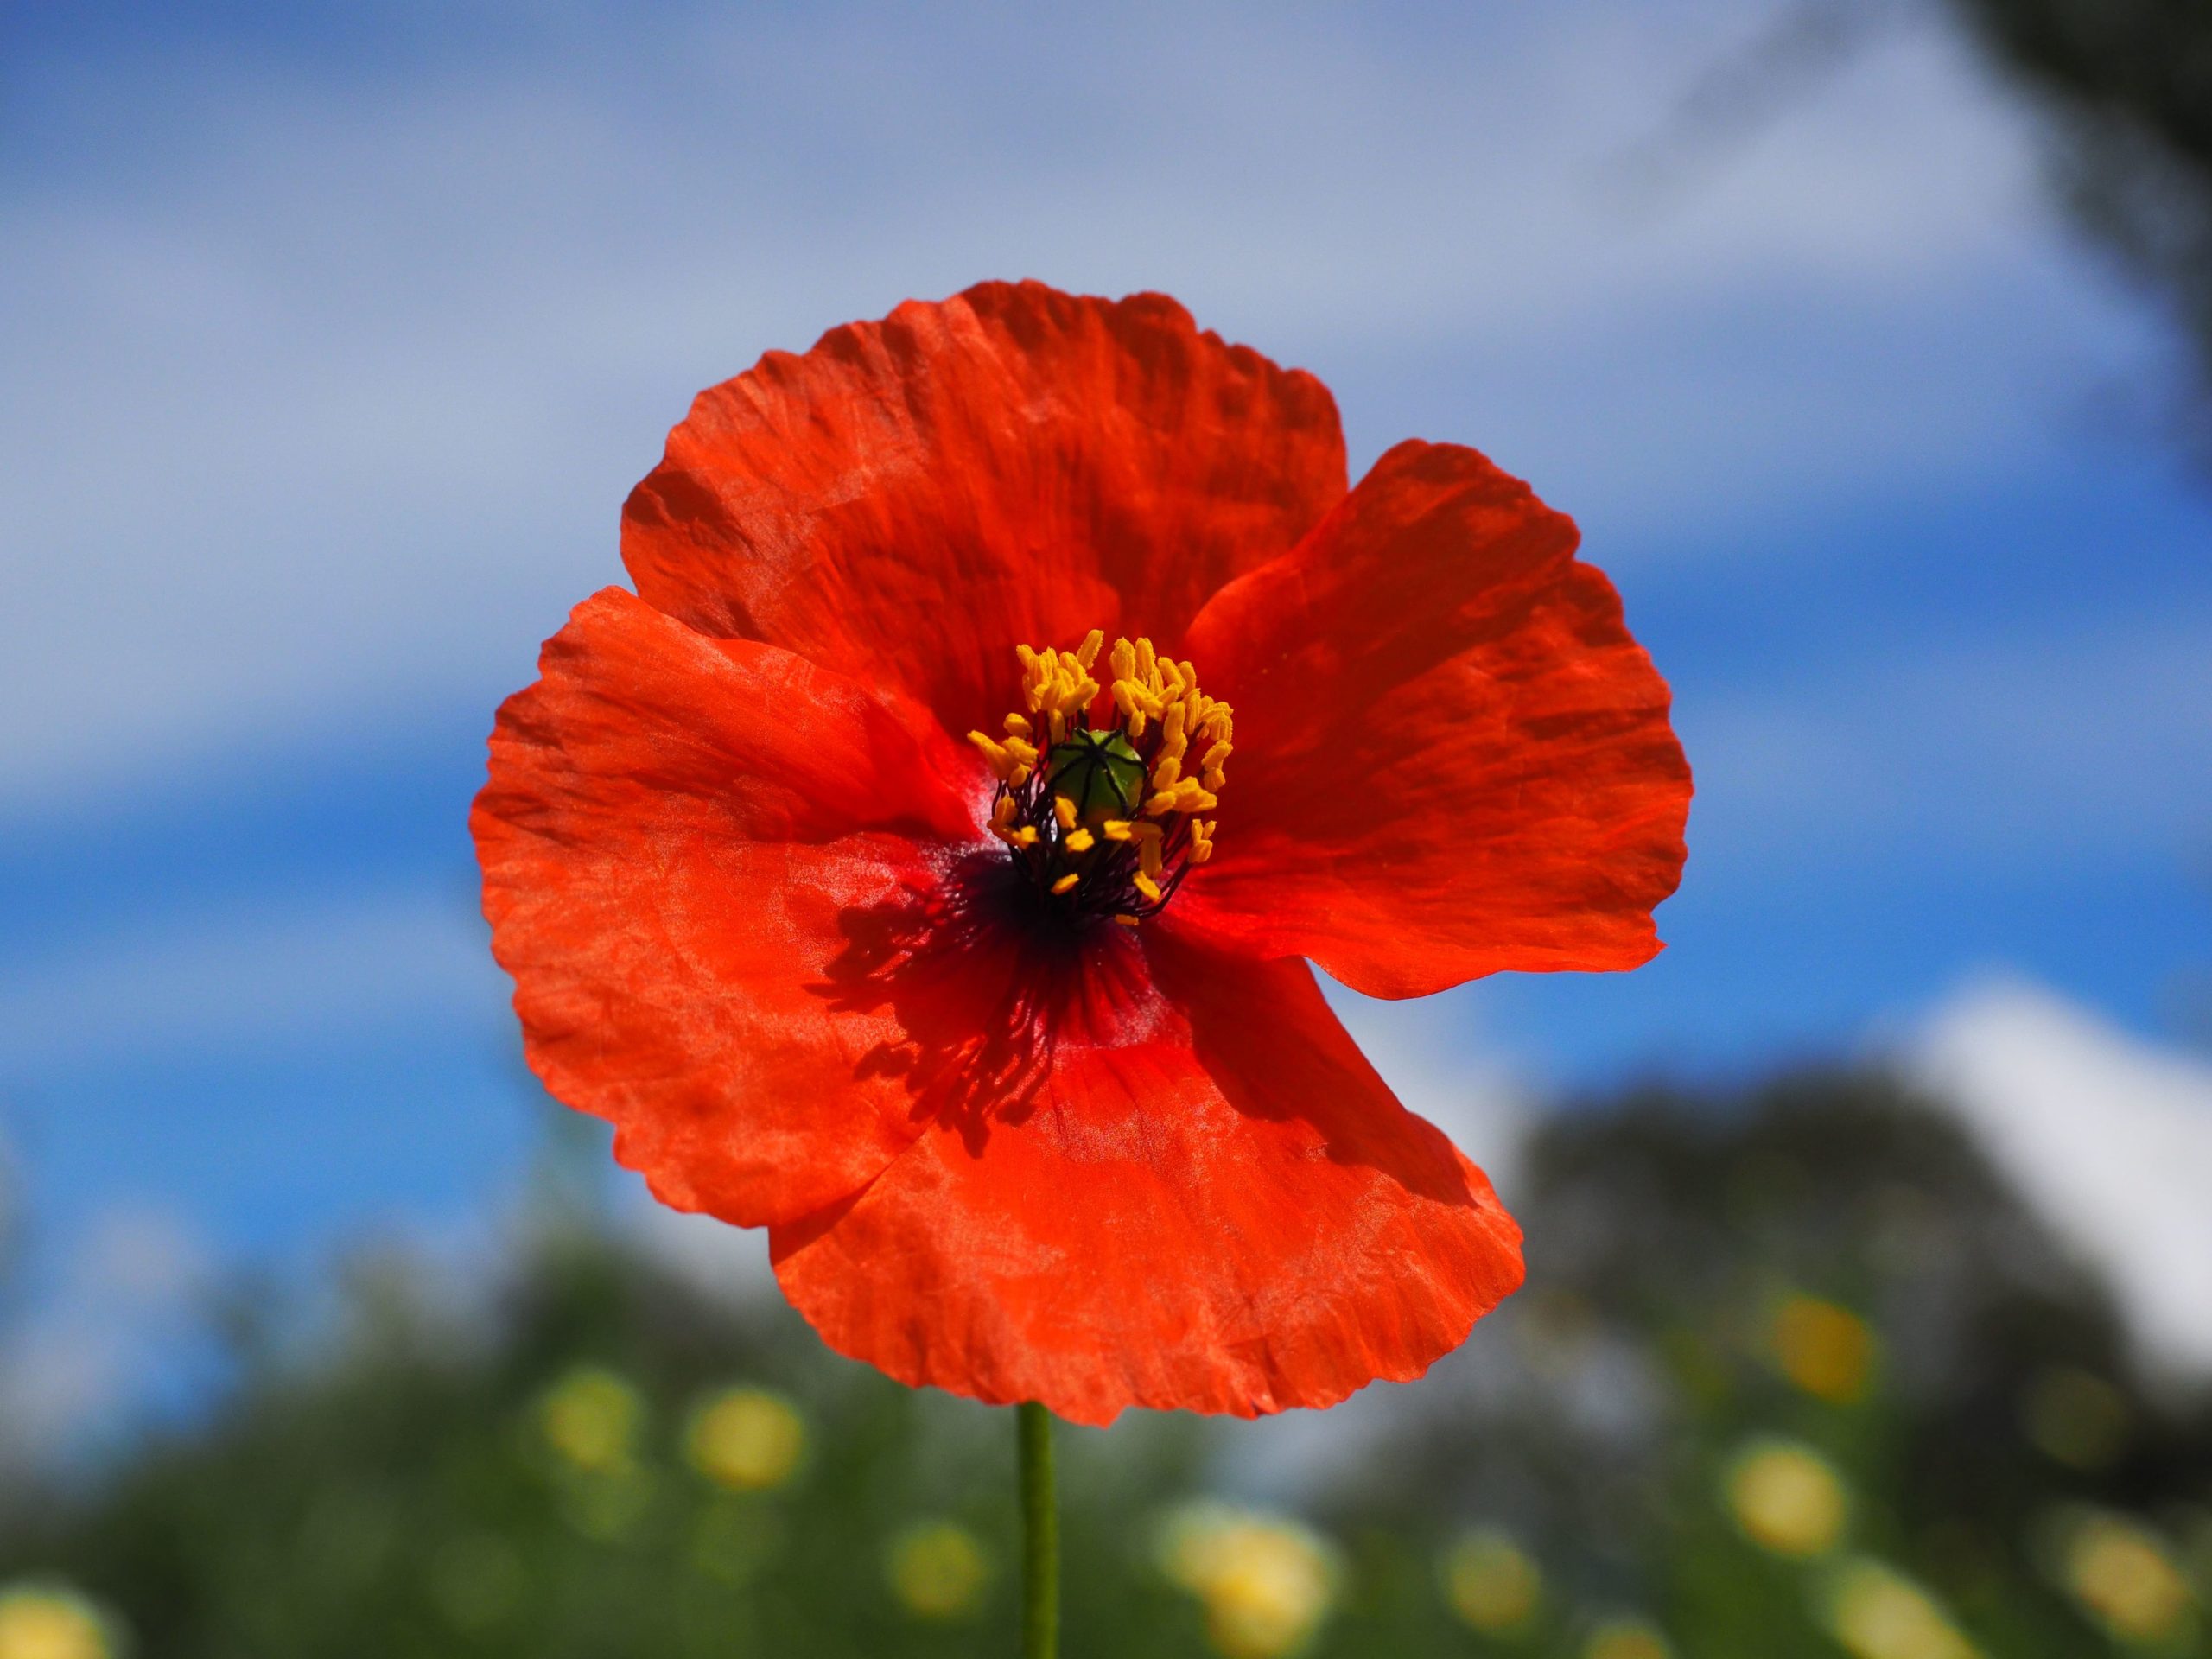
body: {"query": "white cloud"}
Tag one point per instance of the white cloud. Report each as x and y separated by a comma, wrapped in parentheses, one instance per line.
(249, 978)
(327, 393)
(1435, 1057)
(2083, 742)
(2109, 1137)
(141, 1257)
(717, 1261)
(128, 1291)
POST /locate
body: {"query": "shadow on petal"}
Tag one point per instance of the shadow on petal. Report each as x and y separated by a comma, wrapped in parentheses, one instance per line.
(987, 984)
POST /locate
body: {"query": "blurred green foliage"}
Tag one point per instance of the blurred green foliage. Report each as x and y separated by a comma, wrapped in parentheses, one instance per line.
(1793, 1374)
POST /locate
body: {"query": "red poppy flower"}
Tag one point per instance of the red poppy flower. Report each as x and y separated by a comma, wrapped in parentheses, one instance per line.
(1011, 1040)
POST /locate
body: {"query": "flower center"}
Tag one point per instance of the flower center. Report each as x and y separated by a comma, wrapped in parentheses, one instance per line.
(1101, 787)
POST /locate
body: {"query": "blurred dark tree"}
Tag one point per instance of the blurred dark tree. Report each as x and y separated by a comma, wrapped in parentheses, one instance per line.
(2122, 93)
(2125, 87)
(1827, 1262)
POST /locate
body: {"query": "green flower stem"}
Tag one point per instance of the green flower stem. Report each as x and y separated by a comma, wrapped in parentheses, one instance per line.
(1041, 1537)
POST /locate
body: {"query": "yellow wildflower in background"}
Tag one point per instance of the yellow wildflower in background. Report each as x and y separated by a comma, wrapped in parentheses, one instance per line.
(1786, 1498)
(1825, 1349)
(1266, 1582)
(2124, 1576)
(747, 1440)
(1627, 1638)
(1877, 1613)
(937, 1570)
(50, 1622)
(1490, 1582)
(592, 1418)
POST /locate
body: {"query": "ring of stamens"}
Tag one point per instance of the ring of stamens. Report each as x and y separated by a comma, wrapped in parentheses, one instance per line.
(1102, 788)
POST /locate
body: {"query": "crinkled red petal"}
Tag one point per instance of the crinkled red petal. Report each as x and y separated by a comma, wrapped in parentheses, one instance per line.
(1452, 758)
(1181, 1187)
(912, 497)
(675, 830)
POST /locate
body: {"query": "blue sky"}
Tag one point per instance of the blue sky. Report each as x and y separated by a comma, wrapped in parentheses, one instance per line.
(336, 336)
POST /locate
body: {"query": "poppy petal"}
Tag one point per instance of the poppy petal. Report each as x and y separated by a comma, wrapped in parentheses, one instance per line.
(912, 497)
(673, 828)
(1452, 758)
(1208, 1201)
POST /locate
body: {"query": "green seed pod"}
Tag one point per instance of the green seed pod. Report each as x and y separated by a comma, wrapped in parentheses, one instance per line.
(1099, 771)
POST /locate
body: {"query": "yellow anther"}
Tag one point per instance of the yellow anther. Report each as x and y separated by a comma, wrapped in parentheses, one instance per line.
(1002, 814)
(1133, 697)
(1213, 778)
(1147, 663)
(1066, 882)
(1087, 652)
(1182, 795)
(1150, 857)
(1018, 726)
(1023, 751)
(1057, 723)
(1145, 885)
(1002, 760)
(1166, 770)
(1116, 828)
(1191, 796)
(1080, 840)
(1144, 832)
(1214, 757)
(1025, 836)
(1122, 659)
(1064, 810)
(1018, 778)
